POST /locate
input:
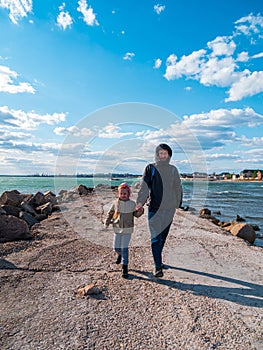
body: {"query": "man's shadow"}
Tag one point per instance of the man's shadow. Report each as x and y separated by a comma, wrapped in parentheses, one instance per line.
(7, 265)
(246, 293)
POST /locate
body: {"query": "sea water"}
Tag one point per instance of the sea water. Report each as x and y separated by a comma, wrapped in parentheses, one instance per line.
(33, 184)
(227, 199)
(230, 198)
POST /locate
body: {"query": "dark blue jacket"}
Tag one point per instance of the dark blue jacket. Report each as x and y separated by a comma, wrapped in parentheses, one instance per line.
(161, 185)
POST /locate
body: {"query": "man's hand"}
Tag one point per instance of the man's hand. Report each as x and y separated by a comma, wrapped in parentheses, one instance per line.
(139, 206)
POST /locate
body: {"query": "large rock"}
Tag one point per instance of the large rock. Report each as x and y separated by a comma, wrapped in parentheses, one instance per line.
(49, 197)
(90, 289)
(244, 231)
(27, 208)
(45, 209)
(13, 229)
(204, 211)
(84, 190)
(36, 199)
(11, 210)
(13, 198)
(28, 218)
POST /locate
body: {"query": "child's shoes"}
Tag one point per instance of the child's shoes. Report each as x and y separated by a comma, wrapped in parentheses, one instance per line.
(118, 260)
(124, 271)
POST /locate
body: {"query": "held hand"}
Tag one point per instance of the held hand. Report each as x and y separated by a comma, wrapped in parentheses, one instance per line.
(139, 206)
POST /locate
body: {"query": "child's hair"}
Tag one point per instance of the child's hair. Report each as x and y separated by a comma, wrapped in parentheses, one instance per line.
(125, 186)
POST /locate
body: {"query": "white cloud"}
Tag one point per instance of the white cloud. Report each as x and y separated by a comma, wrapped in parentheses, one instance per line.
(217, 156)
(209, 70)
(256, 141)
(218, 72)
(111, 131)
(188, 65)
(248, 85)
(222, 45)
(62, 7)
(159, 8)
(87, 12)
(217, 66)
(223, 118)
(157, 63)
(13, 135)
(259, 55)
(7, 77)
(128, 56)
(242, 57)
(64, 19)
(17, 8)
(28, 120)
(249, 25)
(74, 131)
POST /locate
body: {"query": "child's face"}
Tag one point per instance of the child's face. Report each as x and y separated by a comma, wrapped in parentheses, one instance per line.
(123, 194)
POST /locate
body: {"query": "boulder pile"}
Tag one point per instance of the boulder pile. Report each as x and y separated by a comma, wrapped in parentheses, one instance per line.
(244, 231)
(19, 212)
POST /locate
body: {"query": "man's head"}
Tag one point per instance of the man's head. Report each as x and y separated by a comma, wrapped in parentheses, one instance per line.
(163, 153)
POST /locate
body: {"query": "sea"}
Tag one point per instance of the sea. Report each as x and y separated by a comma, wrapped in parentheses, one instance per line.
(225, 199)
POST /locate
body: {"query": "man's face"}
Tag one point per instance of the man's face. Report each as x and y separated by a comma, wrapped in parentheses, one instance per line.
(163, 154)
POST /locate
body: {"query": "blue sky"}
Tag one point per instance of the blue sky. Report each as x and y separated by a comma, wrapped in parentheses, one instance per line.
(94, 86)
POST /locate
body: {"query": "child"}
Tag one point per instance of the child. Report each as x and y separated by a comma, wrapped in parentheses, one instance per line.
(121, 215)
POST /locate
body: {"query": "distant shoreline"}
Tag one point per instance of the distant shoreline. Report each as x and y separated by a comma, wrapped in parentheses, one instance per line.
(128, 176)
(106, 176)
(223, 180)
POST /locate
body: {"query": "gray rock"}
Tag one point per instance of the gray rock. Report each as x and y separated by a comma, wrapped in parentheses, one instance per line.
(13, 228)
(11, 210)
(244, 231)
(28, 218)
(13, 198)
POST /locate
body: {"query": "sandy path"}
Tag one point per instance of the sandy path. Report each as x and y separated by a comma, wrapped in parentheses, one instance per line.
(211, 295)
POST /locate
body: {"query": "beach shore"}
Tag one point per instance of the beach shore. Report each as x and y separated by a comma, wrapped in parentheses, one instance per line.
(211, 295)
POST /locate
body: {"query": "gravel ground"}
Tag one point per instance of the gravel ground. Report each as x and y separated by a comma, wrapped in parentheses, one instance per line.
(210, 297)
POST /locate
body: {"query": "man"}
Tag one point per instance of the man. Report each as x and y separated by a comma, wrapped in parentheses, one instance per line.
(161, 185)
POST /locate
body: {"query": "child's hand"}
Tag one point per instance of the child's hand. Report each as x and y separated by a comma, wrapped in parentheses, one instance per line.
(105, 227)
(139, 206)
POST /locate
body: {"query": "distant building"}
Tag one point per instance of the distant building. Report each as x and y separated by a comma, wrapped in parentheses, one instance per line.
(251, 174)
(197, 175)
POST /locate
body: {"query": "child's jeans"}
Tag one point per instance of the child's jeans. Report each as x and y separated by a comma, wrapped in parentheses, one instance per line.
(121, 244)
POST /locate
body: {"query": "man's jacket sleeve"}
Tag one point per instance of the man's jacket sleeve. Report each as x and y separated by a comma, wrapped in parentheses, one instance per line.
(143, 193)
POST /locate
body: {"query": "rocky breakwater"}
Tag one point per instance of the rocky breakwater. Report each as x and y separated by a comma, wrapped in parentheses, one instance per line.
(19, 212)
(235, 227)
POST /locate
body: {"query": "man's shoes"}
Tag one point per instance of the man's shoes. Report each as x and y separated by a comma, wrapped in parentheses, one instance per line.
(158, 273)
(118, 260)
(165, 267)
(124, 271)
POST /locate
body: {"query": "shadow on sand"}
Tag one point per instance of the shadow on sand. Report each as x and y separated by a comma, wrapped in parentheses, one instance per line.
(246, 293)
